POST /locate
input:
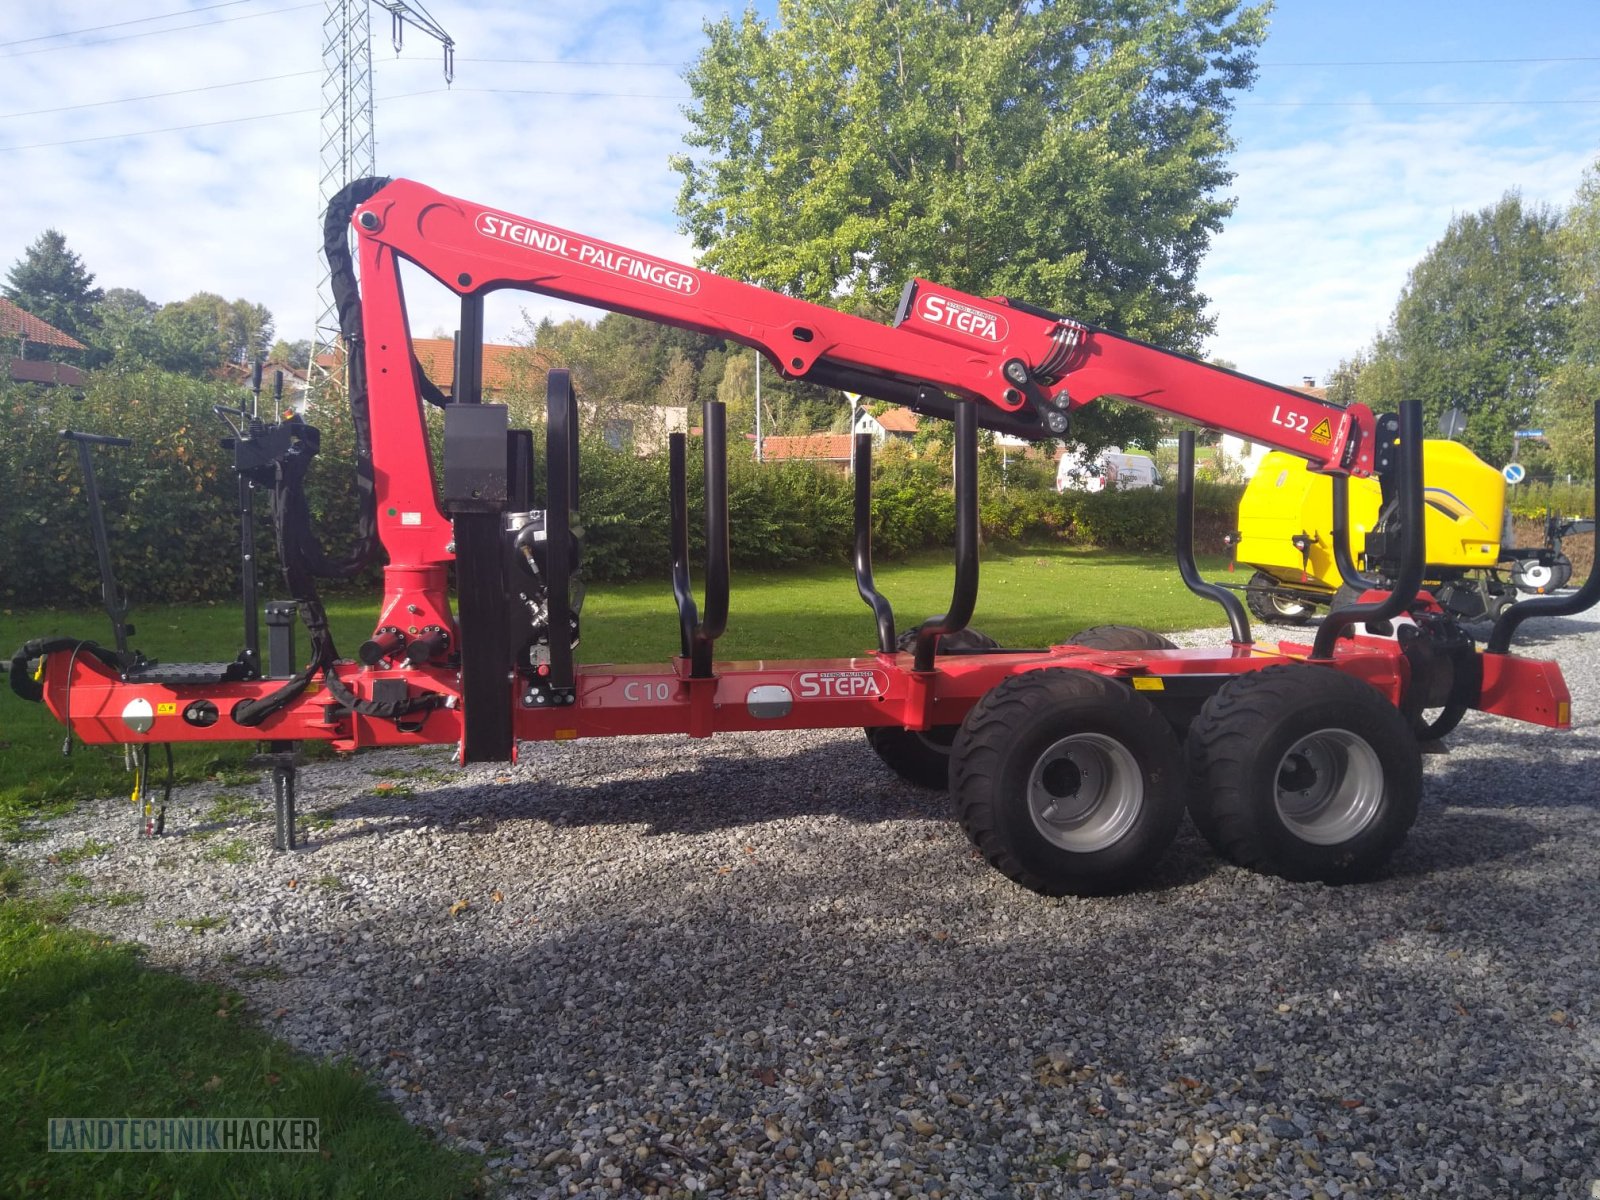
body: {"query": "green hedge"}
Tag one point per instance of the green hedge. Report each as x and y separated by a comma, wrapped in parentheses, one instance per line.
(1532, 500)
(171, 501)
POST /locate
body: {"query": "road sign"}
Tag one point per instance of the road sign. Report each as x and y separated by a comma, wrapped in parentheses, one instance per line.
(1513, 472)
(1530, 433)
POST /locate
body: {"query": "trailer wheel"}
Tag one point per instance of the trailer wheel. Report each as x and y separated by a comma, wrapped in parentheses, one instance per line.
(1120, 637)
(1265, 597)
(1068, 782)
(1303, 772)
(922, 757)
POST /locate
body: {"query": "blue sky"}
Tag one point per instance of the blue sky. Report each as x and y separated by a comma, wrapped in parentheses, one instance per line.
(1345, 173)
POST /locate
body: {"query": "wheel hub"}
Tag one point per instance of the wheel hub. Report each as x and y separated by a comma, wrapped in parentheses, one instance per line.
(1288, 606)
(1535, 576)
(1329, 786)
(1085, 792)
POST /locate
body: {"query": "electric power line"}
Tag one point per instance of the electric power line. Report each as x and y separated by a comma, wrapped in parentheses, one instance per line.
(550, 62)
(210, 87)
(580, 95)
(573, 62)
(295, 112)
(128, 37)
(186, 12)
(1401, 103)
(138, 133)
(1374, 62)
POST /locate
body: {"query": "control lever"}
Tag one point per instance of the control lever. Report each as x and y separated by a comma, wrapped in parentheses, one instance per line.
(116, 604)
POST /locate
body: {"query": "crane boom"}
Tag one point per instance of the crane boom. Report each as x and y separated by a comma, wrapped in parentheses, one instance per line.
(1027, 368)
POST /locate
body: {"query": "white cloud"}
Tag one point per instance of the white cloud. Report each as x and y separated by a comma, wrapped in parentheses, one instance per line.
(1326, 229)
(1335, 205)
(233, 208)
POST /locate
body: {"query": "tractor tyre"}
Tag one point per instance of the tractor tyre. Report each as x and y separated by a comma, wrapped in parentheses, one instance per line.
(1266, 600)
(1067, 782)
(922, 757)
(1303, 772)
(1120, 637)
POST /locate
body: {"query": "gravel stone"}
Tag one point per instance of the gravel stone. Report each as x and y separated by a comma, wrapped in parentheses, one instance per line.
(759, 965)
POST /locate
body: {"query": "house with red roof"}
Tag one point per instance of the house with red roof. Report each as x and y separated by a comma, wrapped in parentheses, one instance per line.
(504, 367)
(26, 341)
(900, 424)
(522, 370)
(827, 449)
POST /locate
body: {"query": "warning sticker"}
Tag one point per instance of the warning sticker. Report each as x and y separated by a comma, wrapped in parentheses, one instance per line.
(1323, 433)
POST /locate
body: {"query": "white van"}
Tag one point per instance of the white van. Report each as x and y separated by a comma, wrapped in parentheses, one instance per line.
(1112, 469)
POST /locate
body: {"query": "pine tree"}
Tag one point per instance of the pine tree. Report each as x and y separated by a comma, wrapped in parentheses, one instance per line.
(50, 282)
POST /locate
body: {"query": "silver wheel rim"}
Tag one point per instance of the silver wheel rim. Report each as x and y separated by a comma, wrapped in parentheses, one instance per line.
(1085, 792)
(1288, 608)
(1537, 575)
(1329, 786)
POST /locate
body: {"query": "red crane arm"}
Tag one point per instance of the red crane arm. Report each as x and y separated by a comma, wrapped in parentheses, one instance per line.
(1025, 367)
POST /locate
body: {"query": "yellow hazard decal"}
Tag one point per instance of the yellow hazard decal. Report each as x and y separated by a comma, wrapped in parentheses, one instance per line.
(1323, 433)
(1148, 683)
(166, 710)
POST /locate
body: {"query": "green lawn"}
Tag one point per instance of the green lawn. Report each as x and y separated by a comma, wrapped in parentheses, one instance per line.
(1027, 597)
(87, 1031)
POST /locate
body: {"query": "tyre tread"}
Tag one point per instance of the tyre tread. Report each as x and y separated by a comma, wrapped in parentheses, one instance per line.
(978, 760)
(1121, 637)
(1220, 743)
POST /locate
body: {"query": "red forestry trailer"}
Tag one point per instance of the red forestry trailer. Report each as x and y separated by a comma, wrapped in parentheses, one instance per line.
(1069, 765)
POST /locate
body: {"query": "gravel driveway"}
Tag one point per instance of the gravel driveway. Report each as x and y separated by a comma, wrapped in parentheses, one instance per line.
(762, 966)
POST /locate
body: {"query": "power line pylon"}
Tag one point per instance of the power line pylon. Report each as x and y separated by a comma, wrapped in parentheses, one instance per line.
(347, 133)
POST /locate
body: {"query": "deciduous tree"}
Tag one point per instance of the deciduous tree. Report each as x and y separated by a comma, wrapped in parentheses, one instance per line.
(124, 327)
(1484, 318)
(1567, 408)
(1067, 154)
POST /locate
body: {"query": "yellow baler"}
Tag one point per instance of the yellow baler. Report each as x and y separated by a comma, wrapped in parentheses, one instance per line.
(1286, 519)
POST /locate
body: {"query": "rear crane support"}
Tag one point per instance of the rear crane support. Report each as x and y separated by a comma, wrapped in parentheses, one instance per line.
(964, 597)
(1402, 437)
